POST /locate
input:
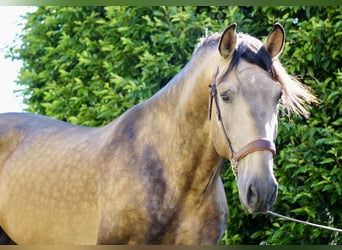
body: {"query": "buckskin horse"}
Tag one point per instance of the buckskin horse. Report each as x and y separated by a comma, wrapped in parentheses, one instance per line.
(151, 176)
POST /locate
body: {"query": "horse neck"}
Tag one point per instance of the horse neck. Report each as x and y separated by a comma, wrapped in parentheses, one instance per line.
(185, 103)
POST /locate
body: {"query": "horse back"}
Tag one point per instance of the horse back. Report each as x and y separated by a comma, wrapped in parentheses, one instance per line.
(47, 179)
(27, 132)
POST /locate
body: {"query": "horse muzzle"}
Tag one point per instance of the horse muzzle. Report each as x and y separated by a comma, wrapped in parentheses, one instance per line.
(257, 195)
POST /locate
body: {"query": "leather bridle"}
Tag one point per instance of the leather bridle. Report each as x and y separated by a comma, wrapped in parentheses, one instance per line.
(262, 144)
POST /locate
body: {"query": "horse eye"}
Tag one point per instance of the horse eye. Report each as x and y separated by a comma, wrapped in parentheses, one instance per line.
(225, 97)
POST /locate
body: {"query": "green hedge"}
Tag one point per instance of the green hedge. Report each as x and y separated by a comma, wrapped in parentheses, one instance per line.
(87, 65)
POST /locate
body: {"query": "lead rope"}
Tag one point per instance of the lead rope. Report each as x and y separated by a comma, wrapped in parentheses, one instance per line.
(304, 222)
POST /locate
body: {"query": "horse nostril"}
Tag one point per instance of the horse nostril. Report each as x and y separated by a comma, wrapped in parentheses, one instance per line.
(252, 196)
(273, 197)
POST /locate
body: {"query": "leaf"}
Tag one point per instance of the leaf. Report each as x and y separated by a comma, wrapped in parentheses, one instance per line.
(327, 161)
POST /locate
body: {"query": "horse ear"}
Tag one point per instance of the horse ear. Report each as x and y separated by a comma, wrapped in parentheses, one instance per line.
(227, 43)
(275, 41)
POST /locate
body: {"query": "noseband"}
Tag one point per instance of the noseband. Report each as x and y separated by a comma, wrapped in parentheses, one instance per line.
(262, 144)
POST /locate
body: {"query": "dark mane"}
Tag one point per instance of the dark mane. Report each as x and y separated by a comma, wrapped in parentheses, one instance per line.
(296, 96)
(251, 50)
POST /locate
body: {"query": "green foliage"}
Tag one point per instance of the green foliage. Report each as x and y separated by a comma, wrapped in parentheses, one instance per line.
(87, 65)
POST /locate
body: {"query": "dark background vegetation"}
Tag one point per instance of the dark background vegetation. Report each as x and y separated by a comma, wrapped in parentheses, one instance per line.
(87, 65)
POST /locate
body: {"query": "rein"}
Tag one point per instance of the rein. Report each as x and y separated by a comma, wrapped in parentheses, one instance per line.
(261, 144)
(304, 222)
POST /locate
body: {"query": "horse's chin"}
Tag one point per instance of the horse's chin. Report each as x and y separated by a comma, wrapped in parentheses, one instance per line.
(255, 210)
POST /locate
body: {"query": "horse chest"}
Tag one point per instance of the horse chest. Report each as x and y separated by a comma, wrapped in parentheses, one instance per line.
(141, 220)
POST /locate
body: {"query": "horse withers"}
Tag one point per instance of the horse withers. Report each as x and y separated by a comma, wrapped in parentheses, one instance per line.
(152, 175)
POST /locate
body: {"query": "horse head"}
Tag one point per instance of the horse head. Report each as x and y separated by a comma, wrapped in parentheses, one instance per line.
(245, 96)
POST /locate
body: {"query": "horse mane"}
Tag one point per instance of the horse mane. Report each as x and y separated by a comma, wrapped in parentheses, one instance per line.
(296, 97)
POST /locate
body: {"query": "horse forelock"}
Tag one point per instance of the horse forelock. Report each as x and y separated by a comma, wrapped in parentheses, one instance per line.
(248, 48)
(251, 50)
